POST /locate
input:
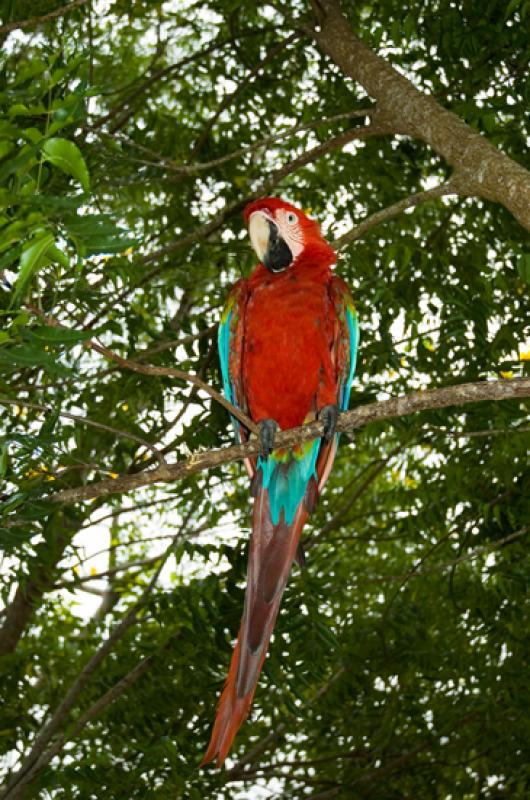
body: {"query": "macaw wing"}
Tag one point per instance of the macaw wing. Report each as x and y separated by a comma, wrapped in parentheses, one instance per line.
(344, 357)
(230, 339)
(346, 339)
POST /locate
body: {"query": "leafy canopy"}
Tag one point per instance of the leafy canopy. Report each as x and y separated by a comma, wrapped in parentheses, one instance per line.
(400, 663)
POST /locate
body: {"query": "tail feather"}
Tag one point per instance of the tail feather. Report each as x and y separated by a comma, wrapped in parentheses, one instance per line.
(272, 552)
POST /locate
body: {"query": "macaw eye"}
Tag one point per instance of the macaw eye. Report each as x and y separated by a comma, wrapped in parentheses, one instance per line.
(291, 218)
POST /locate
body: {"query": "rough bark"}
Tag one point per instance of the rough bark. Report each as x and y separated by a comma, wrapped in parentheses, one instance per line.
(480, 168)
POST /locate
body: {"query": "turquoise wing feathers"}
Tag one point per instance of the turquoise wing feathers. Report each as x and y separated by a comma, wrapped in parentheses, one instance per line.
(230, 345)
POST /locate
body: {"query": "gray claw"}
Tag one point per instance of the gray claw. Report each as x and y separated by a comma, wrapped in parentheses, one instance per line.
(267, 435)
(329, 415)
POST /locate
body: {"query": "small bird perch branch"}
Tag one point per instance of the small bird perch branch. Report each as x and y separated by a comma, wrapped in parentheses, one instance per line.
(459, 395)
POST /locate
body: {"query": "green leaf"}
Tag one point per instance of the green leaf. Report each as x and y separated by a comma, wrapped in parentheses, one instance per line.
(25, 355)
(3, 459)
(12, 502)
(12, 165)
(523, 267)
(56, 254)
(52, 335)
(98, 233)
(31, 69)
(9, 256)
(31, 260)
(18, 109)
(66, 156)
(5, 148)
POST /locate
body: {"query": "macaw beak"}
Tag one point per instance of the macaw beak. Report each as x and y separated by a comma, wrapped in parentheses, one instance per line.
(271, 249)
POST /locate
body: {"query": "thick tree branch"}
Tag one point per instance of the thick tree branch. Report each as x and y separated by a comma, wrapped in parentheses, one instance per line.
(458, 395)
(42, 572)
(482, 169)
(100, 705)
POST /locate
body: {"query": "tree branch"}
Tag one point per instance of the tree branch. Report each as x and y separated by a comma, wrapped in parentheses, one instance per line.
(201, 166)
(34, 21)
(165, 72)
(369, 222)
(417, 570)
(146, 369)
(231, 96)
(484, 170)
(89, 423)
(33, 761)
(358, 133)
(237, 772)
(208, 228)
(171, 372)
(95, 709)
(58, 532)
(458, 395)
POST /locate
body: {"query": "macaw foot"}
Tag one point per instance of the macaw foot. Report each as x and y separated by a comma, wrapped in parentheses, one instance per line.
(329, 415)
(267, 434)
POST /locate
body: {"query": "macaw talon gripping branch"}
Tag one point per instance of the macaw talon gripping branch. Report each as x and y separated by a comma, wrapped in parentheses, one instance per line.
(267, 435)
(329, 415)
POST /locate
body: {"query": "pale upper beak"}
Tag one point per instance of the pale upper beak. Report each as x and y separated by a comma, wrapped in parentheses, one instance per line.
(259, 231)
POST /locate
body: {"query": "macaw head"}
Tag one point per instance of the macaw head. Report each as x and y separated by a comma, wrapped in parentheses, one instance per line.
(283, 235)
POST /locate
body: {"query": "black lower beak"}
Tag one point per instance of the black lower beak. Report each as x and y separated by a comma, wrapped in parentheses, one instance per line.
(278, 255)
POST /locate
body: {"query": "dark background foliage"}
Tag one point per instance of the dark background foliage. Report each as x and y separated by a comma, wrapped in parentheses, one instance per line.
(399, 668)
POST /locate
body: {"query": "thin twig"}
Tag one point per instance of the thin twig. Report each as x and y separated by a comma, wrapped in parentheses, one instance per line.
(151, 369)
(97, 576)
(200, 166)
(206, 229)
(171, 372)
(237, 772)
(90, 423)
(247, 80)
(369, 222)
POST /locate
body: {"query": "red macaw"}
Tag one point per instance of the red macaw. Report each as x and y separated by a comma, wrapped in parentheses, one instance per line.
(287, 345)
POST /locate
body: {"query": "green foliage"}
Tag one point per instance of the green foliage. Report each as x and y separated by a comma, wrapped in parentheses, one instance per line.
(399, 668)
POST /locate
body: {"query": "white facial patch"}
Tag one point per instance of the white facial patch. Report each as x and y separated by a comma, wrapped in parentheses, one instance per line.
(290, 230)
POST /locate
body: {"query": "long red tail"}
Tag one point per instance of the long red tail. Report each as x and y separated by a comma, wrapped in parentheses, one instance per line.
(272, 551)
